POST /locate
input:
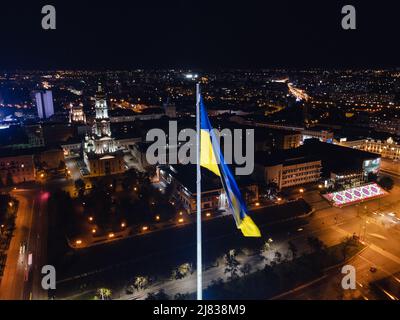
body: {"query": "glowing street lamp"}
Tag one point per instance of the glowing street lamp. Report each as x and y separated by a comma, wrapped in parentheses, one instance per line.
(94, 231)
(301, 190)
(181, 220)
(145, 228)
(257, 204)
(90, 219)
(208, 214)
(279, 199)
(123, 225)
(78, 242)
(158, 218)
(111, 235)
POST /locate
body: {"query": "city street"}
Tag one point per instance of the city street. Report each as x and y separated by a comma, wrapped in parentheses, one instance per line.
(20, 280)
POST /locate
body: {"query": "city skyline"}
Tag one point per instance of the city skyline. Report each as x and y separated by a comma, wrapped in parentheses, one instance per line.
(213, 150)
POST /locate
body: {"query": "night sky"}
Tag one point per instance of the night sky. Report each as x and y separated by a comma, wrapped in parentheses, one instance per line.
(198, 34)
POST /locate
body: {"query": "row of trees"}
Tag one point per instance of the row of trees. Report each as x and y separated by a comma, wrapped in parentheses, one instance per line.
(282, 270)
(137, 203)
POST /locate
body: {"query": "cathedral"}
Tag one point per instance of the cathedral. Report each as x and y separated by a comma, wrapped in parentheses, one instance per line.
(101, 153)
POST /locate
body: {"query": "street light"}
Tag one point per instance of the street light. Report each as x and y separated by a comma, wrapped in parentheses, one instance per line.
(123, 225)
(111, 235)
(158, 218)
(145, 228)
(180, 220)
(78, 242)
(301, 190)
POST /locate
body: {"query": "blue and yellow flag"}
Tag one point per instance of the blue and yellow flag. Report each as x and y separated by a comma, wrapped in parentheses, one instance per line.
(211, 158)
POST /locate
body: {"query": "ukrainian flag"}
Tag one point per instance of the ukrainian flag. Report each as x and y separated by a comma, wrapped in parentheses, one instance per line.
(211, 158)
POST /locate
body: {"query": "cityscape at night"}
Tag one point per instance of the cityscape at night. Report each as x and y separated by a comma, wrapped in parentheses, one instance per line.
(152, 171)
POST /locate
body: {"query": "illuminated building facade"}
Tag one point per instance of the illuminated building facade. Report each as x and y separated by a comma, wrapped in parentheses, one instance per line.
(387, 149)
(292, 173)
(213, 197)
(76, 114)
(101, 153)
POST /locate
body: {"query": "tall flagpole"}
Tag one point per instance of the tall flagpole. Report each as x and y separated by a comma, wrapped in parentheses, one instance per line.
(198, 202)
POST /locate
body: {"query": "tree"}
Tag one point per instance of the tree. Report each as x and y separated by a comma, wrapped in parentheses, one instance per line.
(232, 265)
(266, 246)
(315, 244)
(372, 177)
(278, 257)
(61, 165)
(182, 271)
(103, 294)
(347, 243)
(246, 269)
(271, 189)
(9, 179)
(80, 187)
(160, 295)
(181, 296)
(141, 283)
(293, 249)
(386, 183)
(130, 179)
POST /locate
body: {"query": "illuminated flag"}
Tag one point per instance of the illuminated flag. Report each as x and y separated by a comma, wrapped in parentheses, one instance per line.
(211, 158)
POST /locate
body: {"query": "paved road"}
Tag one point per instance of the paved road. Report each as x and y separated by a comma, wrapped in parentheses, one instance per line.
(21, 281)
(383, 252)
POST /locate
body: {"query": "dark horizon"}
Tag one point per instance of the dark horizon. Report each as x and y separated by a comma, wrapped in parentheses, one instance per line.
(192, 35)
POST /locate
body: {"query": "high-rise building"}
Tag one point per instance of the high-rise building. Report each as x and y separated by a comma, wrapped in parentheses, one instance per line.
(44, 103)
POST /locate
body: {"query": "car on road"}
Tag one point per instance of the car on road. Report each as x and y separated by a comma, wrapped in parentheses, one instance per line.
(373, 269)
